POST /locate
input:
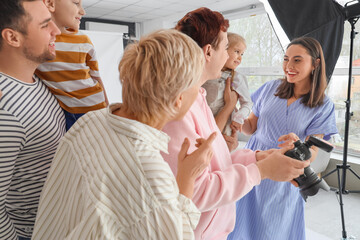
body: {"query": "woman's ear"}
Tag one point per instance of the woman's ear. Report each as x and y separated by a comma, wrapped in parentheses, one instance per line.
(207, 52)
(317, 62)
(178, 101)
(50, 4)
(11, 37)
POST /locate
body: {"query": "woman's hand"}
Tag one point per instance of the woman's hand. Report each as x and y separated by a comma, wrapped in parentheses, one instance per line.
(190, 166)
(230, 96)
(288, 140)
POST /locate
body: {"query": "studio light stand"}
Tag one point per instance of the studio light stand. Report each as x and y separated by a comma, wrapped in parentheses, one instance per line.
(345, 166)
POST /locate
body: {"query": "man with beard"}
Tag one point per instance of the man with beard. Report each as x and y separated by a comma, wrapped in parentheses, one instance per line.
(31, 121)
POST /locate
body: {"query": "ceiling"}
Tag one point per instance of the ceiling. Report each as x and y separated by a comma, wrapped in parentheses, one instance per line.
(145, 10)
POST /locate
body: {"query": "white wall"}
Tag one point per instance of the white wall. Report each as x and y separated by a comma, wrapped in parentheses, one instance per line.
(109, 50)
(106, 27)
(160, 23)
(170, 21)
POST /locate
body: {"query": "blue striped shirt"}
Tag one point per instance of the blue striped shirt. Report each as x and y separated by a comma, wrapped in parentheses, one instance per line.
(31, 125)
(275, 210)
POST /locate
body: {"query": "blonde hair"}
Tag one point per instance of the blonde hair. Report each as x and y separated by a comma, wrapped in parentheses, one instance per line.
(234, 38)
(156, 70)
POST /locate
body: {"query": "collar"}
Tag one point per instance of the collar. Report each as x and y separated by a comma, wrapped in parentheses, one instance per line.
(137, 130)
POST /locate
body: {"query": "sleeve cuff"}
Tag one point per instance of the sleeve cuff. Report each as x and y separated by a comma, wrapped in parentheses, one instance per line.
(190, 210)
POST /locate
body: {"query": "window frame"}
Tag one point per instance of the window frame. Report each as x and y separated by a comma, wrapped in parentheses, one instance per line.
(278, 71)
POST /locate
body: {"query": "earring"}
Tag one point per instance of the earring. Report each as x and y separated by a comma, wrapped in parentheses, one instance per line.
(312, 72)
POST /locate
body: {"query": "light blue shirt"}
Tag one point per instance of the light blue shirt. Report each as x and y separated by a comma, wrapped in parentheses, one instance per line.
(275, 210)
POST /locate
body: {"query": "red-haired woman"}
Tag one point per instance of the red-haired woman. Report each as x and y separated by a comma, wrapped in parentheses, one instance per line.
(229, 176)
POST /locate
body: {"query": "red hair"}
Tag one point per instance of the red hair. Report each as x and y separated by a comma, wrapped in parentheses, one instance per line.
(204, 26)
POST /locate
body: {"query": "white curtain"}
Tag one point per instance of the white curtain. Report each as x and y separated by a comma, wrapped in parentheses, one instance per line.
(109, 50)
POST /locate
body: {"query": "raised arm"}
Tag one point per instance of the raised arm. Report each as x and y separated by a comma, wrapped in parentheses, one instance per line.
(190, 166)
(250, 124)
(215, 186)
(230, 99)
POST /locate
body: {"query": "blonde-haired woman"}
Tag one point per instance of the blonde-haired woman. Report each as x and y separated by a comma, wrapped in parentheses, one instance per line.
(108, 179)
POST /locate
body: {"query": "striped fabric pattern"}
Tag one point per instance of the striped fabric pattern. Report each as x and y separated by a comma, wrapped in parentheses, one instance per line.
(71, 76)
(275, 210)
(109, 181)
(31, 125)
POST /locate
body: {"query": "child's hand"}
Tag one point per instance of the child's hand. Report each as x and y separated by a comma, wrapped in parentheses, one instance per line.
(231, 141)
(237, 126)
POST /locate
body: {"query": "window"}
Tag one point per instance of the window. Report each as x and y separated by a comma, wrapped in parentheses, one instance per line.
(263, 57)
(262, 62)
(338, 87)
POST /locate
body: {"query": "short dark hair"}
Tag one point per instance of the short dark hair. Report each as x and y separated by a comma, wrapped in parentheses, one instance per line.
(12, 15)
(315, 96)
(203, 26)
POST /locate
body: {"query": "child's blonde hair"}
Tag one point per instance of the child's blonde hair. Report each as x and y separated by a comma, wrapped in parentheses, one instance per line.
(156, 70)
(234, 38)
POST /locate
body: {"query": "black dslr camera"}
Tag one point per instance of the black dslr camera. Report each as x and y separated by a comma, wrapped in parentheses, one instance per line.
(309, 182)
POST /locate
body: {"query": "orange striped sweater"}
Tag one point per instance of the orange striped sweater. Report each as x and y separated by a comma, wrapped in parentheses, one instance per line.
(70, 76)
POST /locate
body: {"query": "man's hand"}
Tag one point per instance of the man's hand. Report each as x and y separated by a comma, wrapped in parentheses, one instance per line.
(278, 167)
(190, 166)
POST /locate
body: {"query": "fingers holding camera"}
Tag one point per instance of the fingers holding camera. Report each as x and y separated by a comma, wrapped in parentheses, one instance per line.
(288, 140)
(190, 166)
(293, 182)
(278, 167)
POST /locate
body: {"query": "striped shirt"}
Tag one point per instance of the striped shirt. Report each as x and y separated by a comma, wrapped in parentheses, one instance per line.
(275, 210)
(109, 181)
(70, 76)
(31, 125)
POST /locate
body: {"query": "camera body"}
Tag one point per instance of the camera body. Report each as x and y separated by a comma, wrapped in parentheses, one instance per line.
(309, 182)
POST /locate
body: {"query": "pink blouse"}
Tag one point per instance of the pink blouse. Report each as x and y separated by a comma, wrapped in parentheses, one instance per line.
(228, 177)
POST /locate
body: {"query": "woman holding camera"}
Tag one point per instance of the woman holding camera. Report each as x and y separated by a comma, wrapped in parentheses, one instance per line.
(298, 104)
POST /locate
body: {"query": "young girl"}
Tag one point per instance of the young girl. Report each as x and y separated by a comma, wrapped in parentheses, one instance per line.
(215, 88)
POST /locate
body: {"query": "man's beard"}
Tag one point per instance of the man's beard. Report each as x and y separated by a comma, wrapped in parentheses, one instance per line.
(43, 57)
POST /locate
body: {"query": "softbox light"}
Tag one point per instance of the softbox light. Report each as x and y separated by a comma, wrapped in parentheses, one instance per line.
(324, 21)
(320, 19)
